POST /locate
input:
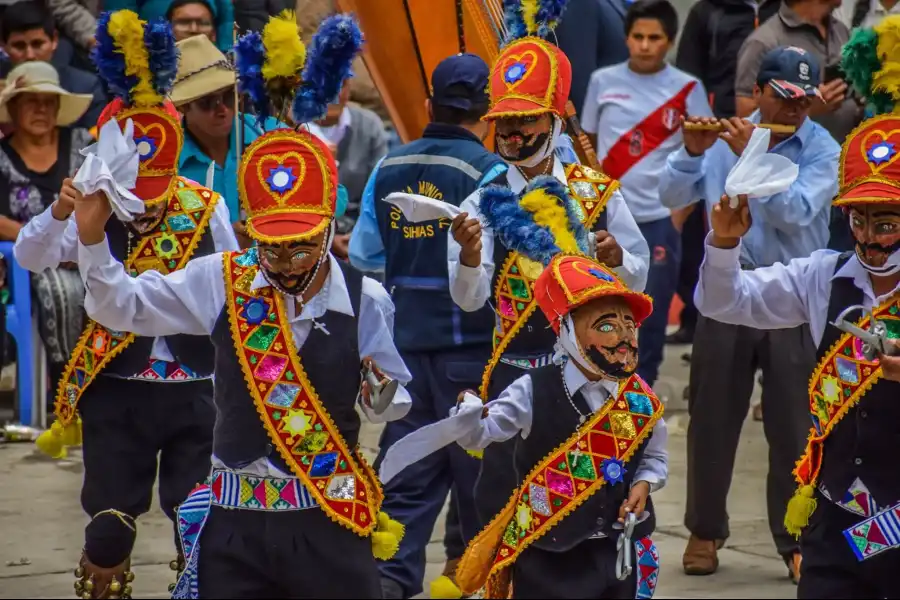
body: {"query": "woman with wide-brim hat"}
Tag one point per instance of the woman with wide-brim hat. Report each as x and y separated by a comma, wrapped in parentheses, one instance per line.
(34, 160)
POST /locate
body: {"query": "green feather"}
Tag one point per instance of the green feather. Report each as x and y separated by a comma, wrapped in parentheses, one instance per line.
(860, 62)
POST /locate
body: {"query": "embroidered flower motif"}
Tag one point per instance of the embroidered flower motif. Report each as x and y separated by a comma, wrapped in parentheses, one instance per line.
(255, 311)
(881, 152)
(613, 470)
(515, 72)
(146, 147)
(281, 179)
(166, 245)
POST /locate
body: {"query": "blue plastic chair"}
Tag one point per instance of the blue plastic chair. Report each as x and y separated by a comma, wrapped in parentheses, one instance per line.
(19, 325)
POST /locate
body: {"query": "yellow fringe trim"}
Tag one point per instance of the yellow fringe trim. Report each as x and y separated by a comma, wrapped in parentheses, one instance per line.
(799, 509)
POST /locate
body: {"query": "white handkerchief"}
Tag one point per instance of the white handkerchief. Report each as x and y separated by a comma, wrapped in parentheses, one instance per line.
(111, 166)
(418, 209)
(758, 172)
(463, 419)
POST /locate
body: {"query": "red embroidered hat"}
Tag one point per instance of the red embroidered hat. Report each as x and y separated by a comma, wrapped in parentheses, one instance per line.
(288, 185)
(159, 139)
(869, 169)
(530, 77)
(570, 281)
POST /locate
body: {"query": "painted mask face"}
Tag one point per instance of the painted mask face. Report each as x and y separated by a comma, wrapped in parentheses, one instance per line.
(289, 265)
(876, 229)
(607, 335)
(520, 138)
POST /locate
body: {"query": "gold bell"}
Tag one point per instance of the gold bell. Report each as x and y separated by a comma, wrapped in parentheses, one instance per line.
(129, 576)
(127, 591)
(79, 572)
(115, 587)
(79, 588)
(89, 585)
(86, 596)
(173, 564)
(171, 587)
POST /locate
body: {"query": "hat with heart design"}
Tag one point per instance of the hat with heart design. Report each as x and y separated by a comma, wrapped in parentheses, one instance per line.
(138, 62)
(570, 281)
(288, 178)
(869, 168)
(530, 77)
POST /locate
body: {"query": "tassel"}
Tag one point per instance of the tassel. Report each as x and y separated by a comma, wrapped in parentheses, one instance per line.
(479, 454)
(384, 545)
(443, 587)
(799, 509)
(50, 442)
(71, 434)
(389, 525)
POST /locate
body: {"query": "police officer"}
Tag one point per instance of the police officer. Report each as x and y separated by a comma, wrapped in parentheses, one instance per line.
(444, 347)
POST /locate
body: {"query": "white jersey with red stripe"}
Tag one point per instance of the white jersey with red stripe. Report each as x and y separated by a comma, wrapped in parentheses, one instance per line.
(637, 122)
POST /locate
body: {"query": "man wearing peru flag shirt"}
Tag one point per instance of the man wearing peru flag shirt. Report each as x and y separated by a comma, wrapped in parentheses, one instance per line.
(633, 113)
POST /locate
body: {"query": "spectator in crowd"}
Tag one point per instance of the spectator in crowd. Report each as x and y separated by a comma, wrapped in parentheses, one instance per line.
(77, 20)
(358, 139)
(592, 34)
(35, 159)
(204, 93)
(27, 33)
(708, 50)
(812, 26)
(633, 115)
(212, 18)
(725, 358)
(251, 15)
(865, 13)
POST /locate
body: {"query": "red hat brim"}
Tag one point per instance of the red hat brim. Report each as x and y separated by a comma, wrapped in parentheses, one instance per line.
(287, 226)
(870, 192)
(516, 107)
(153, 189)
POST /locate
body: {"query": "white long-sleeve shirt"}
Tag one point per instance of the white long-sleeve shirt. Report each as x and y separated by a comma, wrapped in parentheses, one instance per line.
(512, 412)
(777, 297)
(470, 287)
(45, 242)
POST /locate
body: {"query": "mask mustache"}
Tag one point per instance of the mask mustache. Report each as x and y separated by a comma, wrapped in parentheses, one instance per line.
(878, 247)
(526, 139)
(620, 346)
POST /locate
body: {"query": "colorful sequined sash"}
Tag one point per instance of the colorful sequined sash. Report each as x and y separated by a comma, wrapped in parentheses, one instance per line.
(584, 463)
(296, 421)
(167, 248)
(838, 383)
(514, 296)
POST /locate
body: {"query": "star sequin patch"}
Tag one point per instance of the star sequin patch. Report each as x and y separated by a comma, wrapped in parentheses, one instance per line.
(613, 470)
(255, 311)
(515, 73)
(281, 179)
(881, 152)
(146, 147)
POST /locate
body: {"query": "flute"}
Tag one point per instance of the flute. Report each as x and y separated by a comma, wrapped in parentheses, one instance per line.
(773, 127)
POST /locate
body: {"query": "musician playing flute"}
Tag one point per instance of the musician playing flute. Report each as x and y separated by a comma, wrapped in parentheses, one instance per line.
(489, 257)
(789, 225)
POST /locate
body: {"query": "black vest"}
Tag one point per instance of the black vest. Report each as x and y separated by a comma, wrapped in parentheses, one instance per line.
(194, 352)
(331, 362)
(864, 442)
(535, 337)
(553, 421)
(448, 163)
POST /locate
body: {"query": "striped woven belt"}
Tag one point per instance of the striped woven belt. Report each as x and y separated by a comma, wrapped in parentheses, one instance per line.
(877, 534)
(248, 492)
(527, 362)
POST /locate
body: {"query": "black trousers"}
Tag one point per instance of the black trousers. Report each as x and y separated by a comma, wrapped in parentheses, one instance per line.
(291, 554)
(692, 238)
(132, 429)
(586, 571)
(831, 570)
(724, 361)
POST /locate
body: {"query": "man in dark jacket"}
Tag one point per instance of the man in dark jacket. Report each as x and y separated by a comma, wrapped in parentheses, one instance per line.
(27, 33)
(592, 34)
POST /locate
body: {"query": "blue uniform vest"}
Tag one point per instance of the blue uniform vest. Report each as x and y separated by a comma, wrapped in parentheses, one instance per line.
(447, 163)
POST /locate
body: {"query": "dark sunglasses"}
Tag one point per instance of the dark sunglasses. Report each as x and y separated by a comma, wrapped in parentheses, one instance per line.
(212, 102)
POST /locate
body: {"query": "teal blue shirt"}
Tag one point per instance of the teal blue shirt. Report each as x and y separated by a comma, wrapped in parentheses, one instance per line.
(194, 163)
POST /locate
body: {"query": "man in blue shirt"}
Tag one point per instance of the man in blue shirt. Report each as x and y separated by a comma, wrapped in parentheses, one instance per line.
(789, 225)
(204, 94)
(444, 347)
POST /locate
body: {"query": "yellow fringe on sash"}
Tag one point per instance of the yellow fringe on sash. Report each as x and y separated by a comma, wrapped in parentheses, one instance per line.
(386, 537)
(799, 509)
(57, 439)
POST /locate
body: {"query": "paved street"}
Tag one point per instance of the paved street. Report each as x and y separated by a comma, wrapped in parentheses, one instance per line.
(41, 523)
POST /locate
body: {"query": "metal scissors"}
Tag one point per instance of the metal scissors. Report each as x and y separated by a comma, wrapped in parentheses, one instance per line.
(624, 547)
(874, 339)
(380, 393)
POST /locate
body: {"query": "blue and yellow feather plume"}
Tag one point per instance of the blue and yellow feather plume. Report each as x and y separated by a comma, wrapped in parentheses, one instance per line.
(334, 46)
(869, 62)
(539, 224)
(525, 18)
(249, 55)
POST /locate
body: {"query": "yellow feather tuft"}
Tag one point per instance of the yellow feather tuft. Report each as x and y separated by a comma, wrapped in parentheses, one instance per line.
(128, 32)
(888, 78)
(285, 52)
(384, 545)
(529, 15)
(548, 213)
(389, 525)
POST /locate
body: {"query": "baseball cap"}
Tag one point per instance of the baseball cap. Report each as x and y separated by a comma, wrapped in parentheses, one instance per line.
(460, 81)
(791, 72)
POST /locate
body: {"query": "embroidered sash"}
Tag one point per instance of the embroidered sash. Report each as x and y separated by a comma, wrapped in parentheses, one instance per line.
(838, 383)
(559, 484)
(167, 248)
(514, 300)
(648, 135)
(294, 417)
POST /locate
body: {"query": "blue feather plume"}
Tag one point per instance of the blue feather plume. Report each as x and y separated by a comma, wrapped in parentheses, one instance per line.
(249, 54)
(329, 62)
(515, 226)
(162, 54)
(110, 63)
(548, 15)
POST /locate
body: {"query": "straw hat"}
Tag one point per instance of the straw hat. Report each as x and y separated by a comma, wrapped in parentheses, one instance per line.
(41, 78)
(202, 70)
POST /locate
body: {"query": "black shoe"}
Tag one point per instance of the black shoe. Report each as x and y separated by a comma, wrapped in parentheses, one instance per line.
(390, 589)
(684, 335)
